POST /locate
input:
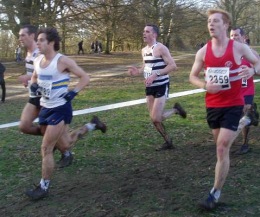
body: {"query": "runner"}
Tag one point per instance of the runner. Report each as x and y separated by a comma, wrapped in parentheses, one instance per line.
(157, 64)
(221, 59)
(50, 79)
(27, 38)
(248, 90)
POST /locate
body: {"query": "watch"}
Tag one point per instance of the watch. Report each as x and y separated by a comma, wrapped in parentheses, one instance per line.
(157, 73)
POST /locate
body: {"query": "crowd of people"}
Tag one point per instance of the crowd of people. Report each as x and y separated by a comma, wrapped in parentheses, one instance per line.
(95, 47)
(228, 64)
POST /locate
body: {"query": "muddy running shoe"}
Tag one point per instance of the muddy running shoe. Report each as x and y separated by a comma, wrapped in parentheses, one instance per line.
(37, 193)
(209, 204)
(180, 110)
(244, 149)
(99, 125)
(165, 146)
(65, 161)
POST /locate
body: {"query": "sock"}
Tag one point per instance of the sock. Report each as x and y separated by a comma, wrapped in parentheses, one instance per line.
(45, 184)
(90, 126)
(67, 153)
(216, 193)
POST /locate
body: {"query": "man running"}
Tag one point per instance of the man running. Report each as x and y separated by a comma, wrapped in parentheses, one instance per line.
(157, 64)
(221, 60)
(248, 90)
(50, 79)
(27, 38)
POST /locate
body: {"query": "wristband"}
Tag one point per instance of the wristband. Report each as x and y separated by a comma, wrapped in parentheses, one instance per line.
(255, 71)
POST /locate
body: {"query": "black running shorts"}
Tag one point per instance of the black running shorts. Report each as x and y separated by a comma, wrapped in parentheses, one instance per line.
(35, 101)
(227, 117)
(158, 91)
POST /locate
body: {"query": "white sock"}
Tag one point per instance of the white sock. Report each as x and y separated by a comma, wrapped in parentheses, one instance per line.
(44, 184)
(90, 126)
(216, 193)
(67, 153)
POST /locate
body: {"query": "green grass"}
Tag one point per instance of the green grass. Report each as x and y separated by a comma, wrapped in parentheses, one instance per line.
(119, 173)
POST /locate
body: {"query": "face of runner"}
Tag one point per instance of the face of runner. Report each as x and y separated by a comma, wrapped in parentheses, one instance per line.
(236, 35)
(149, 35)
(42, 43)
(25, 38)
(216, 25)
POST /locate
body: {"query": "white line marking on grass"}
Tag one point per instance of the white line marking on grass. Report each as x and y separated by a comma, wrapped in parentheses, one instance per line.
(112, 106)
(118, 105)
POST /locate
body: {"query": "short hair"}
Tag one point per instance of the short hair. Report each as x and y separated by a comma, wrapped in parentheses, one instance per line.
(155, 28)
(51, 35)
(31, 30)
(225, 15)
(241, 31)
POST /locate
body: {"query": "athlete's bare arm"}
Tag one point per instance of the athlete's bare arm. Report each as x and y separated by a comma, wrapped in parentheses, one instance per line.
(34, 77)
(162, 51)
(244, 51)
(24, 79)
(197, 68)
(67, 64)
(133, 70)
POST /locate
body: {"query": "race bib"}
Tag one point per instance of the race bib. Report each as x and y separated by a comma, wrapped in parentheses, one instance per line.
(147, 71)
(244, 82)
(45, 87)
(219, 76)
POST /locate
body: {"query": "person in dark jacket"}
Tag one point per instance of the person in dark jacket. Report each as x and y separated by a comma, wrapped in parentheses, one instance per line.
(2, 81)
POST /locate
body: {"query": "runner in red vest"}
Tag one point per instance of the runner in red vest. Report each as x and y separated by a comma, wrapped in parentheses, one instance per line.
(248, 91)
(221, 60)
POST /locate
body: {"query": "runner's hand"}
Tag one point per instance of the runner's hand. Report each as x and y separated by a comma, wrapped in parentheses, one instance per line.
(35, 89)
(132, 70)
(70, 95)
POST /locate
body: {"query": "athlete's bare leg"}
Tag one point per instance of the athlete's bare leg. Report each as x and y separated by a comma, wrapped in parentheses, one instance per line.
(68, 139)
(51, 136)
(245, 133)
(156, 109)
(29, 114)
(224, 141)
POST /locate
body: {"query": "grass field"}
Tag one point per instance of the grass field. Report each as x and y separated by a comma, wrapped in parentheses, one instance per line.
(119, 174)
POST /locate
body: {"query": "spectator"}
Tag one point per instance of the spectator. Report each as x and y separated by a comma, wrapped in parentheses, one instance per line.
(96, 46)
(92, 46)
(99, 47)
(18, 56)
(80, 45)
(2, 81)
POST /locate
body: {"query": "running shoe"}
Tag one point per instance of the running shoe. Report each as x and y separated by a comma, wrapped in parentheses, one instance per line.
(244, 149)
(165, 146)
(99, 125)
(65, 161)
(180, 110)
(37, 193)
(209, 204)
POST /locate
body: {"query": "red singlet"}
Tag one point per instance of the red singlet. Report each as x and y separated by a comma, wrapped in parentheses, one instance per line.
(232, 96)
